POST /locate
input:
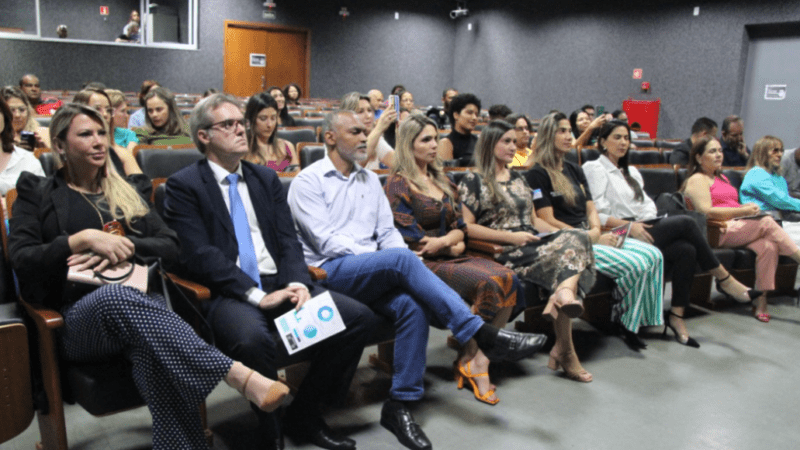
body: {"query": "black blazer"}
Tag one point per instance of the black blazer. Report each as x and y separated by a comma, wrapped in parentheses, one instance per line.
(195, 209)
(39, 246)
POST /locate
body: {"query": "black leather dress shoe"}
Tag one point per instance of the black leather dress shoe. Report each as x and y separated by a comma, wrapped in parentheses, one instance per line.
(316, 432)
(396, 418)
(513, 345)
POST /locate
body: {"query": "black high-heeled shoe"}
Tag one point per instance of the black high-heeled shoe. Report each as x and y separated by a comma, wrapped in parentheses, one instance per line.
(752, 294)
(631, 339)
(689, 342)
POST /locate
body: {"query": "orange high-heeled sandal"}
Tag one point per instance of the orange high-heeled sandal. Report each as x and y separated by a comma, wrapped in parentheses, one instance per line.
(572, 308)
(466, 373)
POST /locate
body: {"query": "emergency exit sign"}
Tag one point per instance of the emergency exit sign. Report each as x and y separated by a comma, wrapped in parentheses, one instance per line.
(104, 10)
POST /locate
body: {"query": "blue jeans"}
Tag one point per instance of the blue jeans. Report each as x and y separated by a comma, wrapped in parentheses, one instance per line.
(395, 283)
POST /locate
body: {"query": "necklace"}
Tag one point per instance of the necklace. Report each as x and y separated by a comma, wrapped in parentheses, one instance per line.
(99, 214)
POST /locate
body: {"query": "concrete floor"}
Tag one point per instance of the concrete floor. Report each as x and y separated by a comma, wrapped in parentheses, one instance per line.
(736, 392)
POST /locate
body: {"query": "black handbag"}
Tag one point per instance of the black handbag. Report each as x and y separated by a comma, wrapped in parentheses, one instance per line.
(674, 204)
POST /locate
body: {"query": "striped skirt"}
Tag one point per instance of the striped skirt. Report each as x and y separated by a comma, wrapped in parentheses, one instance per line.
(638, 270)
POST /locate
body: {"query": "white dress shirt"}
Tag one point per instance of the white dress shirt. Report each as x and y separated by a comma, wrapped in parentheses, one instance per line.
(266, 265)
(612, 195)
(336, 215)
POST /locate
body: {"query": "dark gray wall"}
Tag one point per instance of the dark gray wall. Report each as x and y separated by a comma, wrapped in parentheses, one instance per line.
(538, 56)
(533, 56)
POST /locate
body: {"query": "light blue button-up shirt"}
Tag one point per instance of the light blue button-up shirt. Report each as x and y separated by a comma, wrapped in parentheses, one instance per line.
(336, 215)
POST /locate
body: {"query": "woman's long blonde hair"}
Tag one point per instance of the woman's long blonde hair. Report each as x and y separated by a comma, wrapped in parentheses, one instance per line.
(123, 200)
(550, 158)
(760, 156)
(406, 165)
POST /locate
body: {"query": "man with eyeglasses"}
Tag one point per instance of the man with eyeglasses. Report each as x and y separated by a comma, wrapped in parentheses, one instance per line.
(238, 239)
(734, 151)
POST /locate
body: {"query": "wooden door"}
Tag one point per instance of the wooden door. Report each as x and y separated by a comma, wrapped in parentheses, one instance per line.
(288, 57)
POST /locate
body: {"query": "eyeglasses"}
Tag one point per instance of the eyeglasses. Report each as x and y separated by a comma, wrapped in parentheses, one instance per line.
(227, 125)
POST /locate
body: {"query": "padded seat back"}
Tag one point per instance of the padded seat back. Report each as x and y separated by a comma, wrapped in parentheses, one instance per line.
(636, 157)
(735, 177)
(589, 154)
(160, 163)
(298, 134)
(48, 162)
(311, 153)
(643, 142)
(313, 122)
(572, 156)
(658, 180)
(16, 406)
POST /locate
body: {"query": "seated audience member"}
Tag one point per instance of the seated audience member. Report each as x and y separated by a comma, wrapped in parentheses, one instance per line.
(24, 124)
(711, 193)
(587, 131)
(284, 118)
(579, 122)
(790, 163)
(292, 94)
(266, 148)
(426, 209)
(119, 120)
(701, 127)
(764, 185)
(406, 100)
(164, 124)
(237, 238)
(58, 223)
(13, 160)
(734, 151)
(137, 119)
(589, 110)
(29, 84)
(62, 31)
(442, 115)
(460, 143)
(622, 116)
(121, 157)
(365, 257)
(562, 198)
(380, 155)
(499, 112)
(130, 33)
(398, 89)
(522, 138)
(618, 194)
(376, 101)
(499, 208)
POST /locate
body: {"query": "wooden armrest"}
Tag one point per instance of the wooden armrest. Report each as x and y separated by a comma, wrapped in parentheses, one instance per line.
(317, 274)
(194, 290)
(44, 318)
(484, 247)
(715, 229)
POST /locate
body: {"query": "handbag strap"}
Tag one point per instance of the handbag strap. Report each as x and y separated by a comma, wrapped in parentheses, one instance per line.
(122, 277)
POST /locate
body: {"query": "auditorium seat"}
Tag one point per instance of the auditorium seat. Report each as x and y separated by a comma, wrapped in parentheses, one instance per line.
(310, 152)
(636, 157)
(298, 134)
(159, 163)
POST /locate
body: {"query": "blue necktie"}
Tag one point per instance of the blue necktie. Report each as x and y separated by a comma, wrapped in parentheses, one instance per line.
(247, 253)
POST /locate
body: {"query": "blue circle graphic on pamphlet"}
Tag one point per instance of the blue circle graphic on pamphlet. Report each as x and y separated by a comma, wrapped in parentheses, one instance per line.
(310, 331)
(325, 313)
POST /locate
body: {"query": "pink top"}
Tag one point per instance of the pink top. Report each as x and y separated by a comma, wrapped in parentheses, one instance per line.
(723, 194)
(279, 166)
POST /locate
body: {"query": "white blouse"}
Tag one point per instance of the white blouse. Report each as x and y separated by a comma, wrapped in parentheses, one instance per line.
(21, 161)
(612, 195)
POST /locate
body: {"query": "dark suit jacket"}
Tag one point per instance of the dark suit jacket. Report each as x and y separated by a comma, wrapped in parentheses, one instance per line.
(38, 243)
(195, 209)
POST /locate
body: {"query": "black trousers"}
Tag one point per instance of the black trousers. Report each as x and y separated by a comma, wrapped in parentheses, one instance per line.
(684, 248)
(244, 333)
